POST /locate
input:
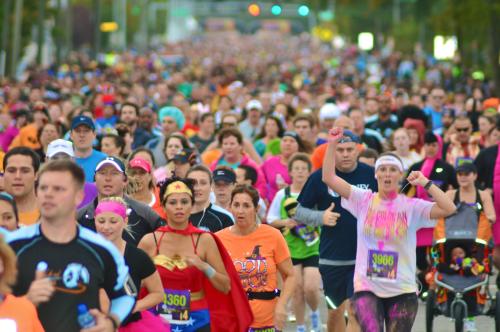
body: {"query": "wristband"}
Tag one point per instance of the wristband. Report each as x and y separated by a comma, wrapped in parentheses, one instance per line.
(114, 322)
(428, 185)
(209, 272)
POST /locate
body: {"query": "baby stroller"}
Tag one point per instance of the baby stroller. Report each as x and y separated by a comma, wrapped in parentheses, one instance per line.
(460, 288)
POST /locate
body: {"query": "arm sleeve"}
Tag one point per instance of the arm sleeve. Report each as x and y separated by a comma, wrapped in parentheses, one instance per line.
(274, 211)
(118, 285)
(309, 217)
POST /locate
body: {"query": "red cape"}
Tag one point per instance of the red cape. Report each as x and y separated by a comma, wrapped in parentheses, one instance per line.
(228, 312)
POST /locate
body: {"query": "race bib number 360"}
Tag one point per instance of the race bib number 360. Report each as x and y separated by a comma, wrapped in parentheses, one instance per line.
(175, 305)
(382, 264)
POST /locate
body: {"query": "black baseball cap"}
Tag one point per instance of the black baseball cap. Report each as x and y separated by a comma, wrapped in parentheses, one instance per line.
(223, 174)
(430, 137)
(183, 156)
(466, 167)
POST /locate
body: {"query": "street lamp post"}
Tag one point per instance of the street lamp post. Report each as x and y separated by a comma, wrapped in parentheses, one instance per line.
(5, 36)
(16, 36)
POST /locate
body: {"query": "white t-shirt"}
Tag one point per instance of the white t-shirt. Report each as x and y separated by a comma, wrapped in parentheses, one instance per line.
(386, 230)
(274, 212)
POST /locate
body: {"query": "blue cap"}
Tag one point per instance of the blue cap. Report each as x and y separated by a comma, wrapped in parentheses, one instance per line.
(349, 137)
(82, 120)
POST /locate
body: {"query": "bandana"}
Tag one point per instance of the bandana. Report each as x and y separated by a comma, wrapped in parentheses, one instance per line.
(389, 160)
(110, 206)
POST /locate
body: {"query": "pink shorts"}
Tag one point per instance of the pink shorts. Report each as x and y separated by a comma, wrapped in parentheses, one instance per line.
(424, 237)
(147, 323)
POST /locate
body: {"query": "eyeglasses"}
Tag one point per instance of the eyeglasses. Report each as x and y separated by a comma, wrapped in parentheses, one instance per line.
(438, 97)
(463, 130)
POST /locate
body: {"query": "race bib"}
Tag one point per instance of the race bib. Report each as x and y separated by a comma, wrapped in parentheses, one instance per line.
(175, 305)
(263, 329)
(382, 264)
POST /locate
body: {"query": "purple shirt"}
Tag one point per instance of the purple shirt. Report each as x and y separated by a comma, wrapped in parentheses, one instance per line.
(90, 191)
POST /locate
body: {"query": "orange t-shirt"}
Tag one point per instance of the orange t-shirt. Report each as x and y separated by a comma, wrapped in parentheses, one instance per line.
(157, 207)
(19, 314)
(209, 157)
(319, 154)
(29, 218)
(28, 136)
(255, 257)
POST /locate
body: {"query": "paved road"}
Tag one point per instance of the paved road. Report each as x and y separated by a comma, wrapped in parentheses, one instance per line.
(441, 323)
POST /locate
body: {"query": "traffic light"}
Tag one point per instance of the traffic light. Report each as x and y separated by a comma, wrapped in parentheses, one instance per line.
(303, 10)
(276, 9)
(254, 9)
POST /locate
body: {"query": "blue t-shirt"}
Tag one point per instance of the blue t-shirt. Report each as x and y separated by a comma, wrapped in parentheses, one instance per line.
(106, 123)
(89, 164)
(436, 118)
(339, 242)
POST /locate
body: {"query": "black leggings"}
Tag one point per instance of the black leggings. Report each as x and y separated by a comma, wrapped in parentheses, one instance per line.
(398, 312)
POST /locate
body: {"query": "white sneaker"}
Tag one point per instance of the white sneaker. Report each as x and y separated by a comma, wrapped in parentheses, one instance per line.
(315, 321)
(470, 325)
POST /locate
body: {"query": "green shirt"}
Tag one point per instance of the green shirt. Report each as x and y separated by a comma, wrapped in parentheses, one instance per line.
(299, 249)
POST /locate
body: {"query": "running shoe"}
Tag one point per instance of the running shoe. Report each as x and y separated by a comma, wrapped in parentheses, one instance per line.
(315, 321)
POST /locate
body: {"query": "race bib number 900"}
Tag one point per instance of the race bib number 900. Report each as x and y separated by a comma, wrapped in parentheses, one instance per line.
(382, 264)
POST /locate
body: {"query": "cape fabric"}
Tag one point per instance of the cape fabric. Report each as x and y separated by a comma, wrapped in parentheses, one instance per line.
(228, 312)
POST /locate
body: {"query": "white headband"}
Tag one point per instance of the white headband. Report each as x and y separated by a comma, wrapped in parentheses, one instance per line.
(389, 160)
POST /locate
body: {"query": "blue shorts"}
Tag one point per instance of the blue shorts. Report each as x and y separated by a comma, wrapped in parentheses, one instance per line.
(337, 283)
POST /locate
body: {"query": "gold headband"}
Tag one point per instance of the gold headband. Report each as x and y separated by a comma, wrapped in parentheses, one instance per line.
(177, 187)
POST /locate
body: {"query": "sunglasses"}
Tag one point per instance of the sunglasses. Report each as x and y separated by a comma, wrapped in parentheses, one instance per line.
(463, 130)
(7, 196)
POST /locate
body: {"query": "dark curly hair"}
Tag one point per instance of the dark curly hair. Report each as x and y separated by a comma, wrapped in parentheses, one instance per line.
(164, 184)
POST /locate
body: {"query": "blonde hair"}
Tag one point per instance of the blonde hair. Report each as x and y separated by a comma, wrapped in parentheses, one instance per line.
(120, 200)
(9, 276)
(116, 199)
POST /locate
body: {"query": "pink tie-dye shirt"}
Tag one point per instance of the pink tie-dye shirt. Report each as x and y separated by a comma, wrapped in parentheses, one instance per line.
(386, 230)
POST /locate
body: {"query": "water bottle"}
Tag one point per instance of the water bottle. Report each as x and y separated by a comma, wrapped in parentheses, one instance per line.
(280, 182)
(85, 319)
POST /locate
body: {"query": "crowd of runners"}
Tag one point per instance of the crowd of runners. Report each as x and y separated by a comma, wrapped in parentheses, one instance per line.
(236, 184)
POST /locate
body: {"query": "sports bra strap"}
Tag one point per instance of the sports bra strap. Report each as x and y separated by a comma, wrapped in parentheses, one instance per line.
(456, 199)
(158, 243)
(195, 245)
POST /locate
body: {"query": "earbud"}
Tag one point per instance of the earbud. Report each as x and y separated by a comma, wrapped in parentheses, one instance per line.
(376, 178)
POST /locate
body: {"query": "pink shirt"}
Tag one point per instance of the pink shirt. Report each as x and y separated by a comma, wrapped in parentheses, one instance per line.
(271, 168)
(386, 230)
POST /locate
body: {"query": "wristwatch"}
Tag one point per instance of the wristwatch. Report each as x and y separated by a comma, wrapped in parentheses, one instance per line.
(428, 185)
